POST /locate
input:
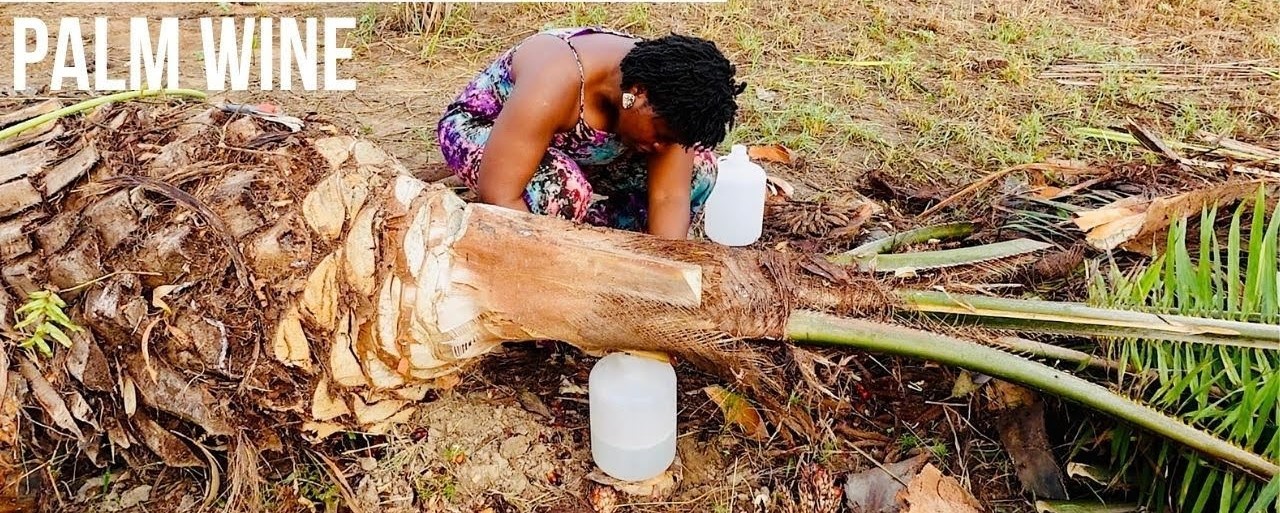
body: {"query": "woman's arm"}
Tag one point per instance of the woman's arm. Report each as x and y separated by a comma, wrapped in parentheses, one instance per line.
(670, 175)
(546, 92)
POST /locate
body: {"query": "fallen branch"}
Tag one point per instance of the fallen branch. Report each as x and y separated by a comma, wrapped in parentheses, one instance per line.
(814, 327)
(1080, 319)
(987, 180)
(1247, 157)
(915, 236)
(91, 103)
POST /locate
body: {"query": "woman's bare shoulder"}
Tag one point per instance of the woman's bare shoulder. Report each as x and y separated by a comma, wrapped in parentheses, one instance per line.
(546, 81)
(544, 57)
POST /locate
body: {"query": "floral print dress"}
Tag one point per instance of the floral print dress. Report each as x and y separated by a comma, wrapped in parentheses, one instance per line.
(587, 175)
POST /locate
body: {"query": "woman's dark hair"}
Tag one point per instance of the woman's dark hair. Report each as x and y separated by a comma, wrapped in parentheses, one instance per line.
(690, 85)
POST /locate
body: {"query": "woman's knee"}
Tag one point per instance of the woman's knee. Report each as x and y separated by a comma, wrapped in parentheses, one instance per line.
(461, 140)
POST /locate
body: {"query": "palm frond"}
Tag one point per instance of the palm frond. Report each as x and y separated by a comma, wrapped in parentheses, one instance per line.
(1229, 391)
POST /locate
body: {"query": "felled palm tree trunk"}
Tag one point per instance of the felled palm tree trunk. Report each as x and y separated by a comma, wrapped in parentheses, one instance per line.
(234, 276)
(229, 274)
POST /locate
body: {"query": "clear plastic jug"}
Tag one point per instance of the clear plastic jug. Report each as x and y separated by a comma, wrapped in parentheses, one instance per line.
(734, 213)
(632, 402)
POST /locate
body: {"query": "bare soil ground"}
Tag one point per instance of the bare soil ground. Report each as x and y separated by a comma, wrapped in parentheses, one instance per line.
(903, 101)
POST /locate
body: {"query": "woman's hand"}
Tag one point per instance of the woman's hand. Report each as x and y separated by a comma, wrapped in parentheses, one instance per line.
(670, 175)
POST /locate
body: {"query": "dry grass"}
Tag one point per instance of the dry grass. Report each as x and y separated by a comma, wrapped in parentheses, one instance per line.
(944, 91)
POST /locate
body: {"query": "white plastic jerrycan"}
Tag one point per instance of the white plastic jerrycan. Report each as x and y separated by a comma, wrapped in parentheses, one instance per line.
(632, 403)
(734, 213)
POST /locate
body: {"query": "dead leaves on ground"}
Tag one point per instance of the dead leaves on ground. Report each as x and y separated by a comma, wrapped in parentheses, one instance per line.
(908, 486)
(779, 189)
(738, 411)
(875, 490)
(49, 399)
(932, 492)
(773, 153)
(1020, 420)
(1138, 223)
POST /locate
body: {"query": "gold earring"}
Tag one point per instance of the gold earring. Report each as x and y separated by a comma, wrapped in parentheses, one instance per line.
(628, 100)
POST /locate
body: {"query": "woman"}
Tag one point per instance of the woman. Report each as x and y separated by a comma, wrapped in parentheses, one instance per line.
(596, 126)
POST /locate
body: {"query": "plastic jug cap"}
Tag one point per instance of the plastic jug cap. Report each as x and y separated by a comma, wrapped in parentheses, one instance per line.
(738, 151)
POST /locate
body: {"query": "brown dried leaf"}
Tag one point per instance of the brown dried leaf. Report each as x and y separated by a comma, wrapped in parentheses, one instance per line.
(737, 410)
(822, 267)
(1023, 434)
(80, 409)
(135, 496)
(875, 490)
(10, 405)
(87, 363)
(129, 395)
(157, 296)
(772, 153)
(146, 347)
(1129, 222)
(779, 188)
(1007, 396)
(49, 398)
(856, 221)
(165, 444)
(534, 404)
(177, 395)
(118, 436)
(931, 492)
(92, 446)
